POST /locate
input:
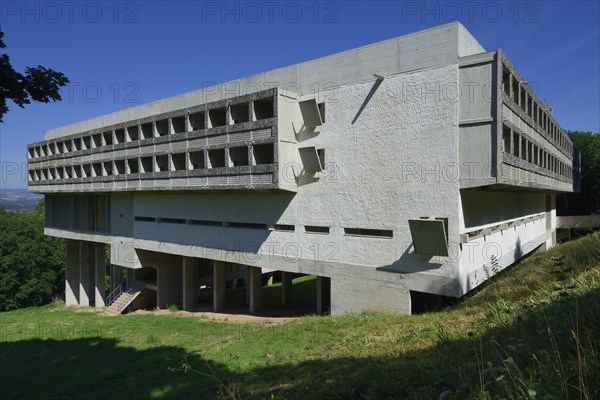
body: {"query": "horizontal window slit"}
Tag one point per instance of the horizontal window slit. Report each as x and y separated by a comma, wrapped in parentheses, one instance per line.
(316, 229)
(369, 232)
(145, 219)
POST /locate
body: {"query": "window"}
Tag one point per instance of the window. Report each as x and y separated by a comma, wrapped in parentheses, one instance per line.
(238, 156)
(197, 159)
(216, 158)
(516, 147)
(146, 164)
(107, 138)
(162, 127)
(133, 133)
(369, 232)
(506, 139)
(506, 81)
(178, 124)
(316, 229)
(178, 162)
(239, 113)
(147, 131)
(132, 165)
(263, 153)
(120, 167)
(162, 163)
(263, 109)
(217, 117)
(119, 136)
(197, 121)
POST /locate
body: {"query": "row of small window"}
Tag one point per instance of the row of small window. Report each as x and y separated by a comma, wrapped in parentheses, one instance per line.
(519, 146)
(272, 227)
(230, 115)
(192, 160)
(515, 90)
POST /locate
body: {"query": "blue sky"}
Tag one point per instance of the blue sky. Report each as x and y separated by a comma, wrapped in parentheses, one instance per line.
(122, 54)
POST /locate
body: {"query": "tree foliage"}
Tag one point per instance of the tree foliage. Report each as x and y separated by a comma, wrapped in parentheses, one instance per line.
(588, 201)
(36, 84)
(31, 264)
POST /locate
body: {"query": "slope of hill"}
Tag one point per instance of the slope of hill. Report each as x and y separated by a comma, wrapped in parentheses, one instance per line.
(531, 333)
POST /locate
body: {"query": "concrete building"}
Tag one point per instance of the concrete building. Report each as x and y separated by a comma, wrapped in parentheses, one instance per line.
(398, 173)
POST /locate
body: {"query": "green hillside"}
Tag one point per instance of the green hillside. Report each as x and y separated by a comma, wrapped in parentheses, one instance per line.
(531, 333)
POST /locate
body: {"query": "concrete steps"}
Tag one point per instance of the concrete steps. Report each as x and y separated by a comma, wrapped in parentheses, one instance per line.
(124, 299)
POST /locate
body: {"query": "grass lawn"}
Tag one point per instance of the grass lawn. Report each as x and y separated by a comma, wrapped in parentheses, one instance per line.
(531, 333)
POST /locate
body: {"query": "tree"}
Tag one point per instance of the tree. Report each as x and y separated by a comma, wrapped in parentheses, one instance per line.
(588, 200)
(37, 84)
(31, 264)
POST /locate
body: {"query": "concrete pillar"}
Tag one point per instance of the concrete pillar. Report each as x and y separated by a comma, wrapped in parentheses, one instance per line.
(116, 276)
(286, 287)
(169, 283)
(130, 277)
(323, 294)
(72, 273)
(255, 288)
(100, 274)
(247, 283)
(189, 282)
(550, 220)
(86, 268)
(218, 285)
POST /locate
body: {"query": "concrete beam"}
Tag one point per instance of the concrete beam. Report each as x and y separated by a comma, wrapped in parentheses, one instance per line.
(99, 275)
(72, 273)
(323, 294)
(218, 285)
(255, 288)
(286, 287)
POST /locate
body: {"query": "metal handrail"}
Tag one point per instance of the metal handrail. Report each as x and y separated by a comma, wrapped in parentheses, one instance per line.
(113, 295)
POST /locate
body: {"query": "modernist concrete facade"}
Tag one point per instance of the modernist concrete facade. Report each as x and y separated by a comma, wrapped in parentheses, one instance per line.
(397, 172)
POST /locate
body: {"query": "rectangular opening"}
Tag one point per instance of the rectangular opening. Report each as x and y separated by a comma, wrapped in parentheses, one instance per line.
(108, 168)
(506, 139)
(316, 229)
(144, 219)
(369, 232)
(217, 117)
(76, 171)
(146, 165)
(133, 133)
(119, 136)
(535, 154)
(50, 149)
(31, 176)
(108, 139)
(529, 152)
(529, 106)
(524, 149)
(322, 111)
(76, 145)
(120, 167)
(239, 113)
(31, 152)
(68, 147)
(42, 175)
(506, 81)
(282, 228)
(197, 121)
(162, 163)
(205, 222)
(171, 220)
(246, 225)
(197, 160)
(162, 127)
(36, 175)
(50, 174)
(68, 172)
(86, 170)
(516, 147)
(264, 108)
(97, 169)
(178, 124)
(216, 158)
(523, 99)
(133, 166)
(96, 140)
(147, 131)
(263, 154)
(59, 173)
(178, 162)
(238, 156)
(86, 142)
(515, 90)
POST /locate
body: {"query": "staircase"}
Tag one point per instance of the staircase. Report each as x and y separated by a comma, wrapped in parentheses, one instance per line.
(122, 299)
